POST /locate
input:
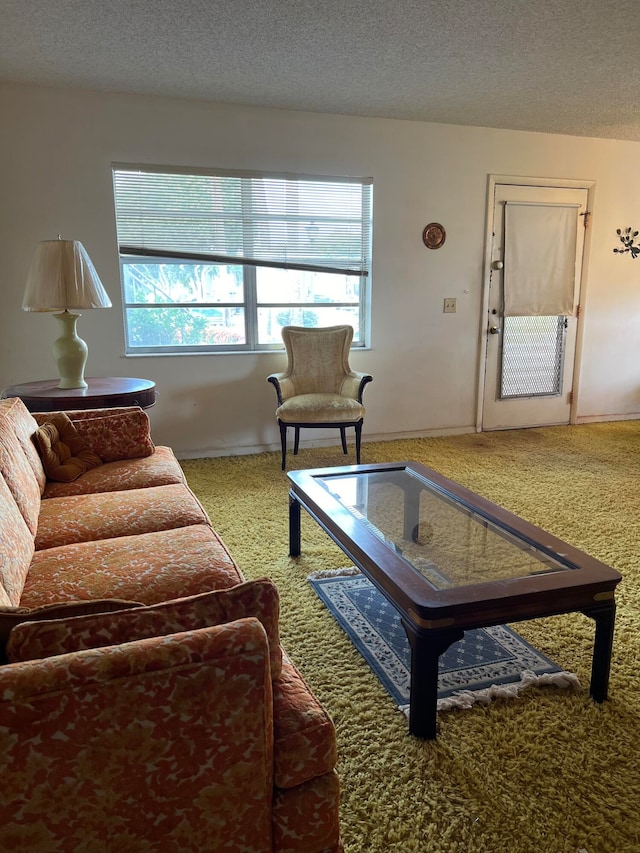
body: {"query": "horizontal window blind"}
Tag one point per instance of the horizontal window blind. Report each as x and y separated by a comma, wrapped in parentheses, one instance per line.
(292, 221)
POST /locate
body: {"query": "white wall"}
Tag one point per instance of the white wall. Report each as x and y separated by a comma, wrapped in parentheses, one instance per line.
(56, 150)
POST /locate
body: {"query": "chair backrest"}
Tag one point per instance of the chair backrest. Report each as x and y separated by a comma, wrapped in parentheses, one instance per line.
(318, 358)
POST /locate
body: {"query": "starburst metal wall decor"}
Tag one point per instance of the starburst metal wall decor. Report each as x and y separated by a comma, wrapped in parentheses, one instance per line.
(627, 238)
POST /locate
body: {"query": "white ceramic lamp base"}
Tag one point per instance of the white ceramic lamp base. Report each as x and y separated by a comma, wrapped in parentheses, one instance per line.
(70, 352)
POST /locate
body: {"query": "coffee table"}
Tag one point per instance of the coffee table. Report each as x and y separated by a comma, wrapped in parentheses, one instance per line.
(449, 560)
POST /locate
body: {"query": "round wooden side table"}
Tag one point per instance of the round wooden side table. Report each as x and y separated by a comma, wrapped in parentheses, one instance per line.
(101, 393)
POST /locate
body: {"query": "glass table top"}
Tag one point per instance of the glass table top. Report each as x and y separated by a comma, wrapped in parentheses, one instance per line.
(450, 544)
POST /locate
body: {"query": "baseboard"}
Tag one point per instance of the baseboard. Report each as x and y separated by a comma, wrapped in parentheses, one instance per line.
(393, 436)
(247, 450)
(591, 419)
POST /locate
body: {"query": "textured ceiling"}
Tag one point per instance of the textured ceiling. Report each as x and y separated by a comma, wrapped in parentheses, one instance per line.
(556, 66)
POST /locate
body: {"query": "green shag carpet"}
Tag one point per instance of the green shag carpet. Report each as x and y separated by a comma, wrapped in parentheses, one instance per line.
(549, 772)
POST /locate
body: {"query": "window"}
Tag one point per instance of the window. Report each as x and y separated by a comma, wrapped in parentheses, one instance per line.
(219, 261)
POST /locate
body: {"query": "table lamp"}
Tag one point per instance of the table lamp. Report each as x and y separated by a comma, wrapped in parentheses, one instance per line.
(62, 277)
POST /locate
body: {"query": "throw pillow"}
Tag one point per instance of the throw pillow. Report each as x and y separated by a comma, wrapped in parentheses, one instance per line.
(259, 598)
(65, 455)
(123, 435)
(12, 616)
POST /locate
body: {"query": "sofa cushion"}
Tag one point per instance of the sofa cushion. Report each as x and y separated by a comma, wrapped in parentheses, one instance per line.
(148, 567)
(157, 470)
(16, 548)
(10, 617)
(304, 735)
(106, 515)
(65, 455)
(258, 598)
(122, 435)
(18, 475)
(24, 425)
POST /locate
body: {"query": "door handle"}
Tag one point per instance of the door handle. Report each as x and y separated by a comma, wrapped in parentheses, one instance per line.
(494, 330)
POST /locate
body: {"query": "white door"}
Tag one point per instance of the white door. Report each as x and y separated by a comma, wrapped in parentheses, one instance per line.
(529, 354)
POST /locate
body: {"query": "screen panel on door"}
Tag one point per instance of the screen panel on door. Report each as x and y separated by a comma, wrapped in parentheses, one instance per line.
(532, 356)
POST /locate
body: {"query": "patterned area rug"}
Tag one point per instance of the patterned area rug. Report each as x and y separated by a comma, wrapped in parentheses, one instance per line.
(487, 663)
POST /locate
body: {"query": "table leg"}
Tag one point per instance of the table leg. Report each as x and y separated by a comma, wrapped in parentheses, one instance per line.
(412, 512)
(425, 653)
(294, 526)
(604, 616)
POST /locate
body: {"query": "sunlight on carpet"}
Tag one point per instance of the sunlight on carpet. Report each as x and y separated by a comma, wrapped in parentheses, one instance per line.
(550, 771)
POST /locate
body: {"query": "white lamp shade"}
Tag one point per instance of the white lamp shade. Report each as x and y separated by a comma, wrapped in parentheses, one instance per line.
(63, 277)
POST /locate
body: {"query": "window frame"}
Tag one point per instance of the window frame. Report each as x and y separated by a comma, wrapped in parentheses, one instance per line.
(249, 304)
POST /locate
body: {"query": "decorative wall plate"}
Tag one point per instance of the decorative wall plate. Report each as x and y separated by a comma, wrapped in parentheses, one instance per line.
(434, 235)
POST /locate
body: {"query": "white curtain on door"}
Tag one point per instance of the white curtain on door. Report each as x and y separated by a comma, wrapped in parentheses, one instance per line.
(539, 259)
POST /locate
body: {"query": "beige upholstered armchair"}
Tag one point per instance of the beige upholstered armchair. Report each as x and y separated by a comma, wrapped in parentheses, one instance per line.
(318, 388)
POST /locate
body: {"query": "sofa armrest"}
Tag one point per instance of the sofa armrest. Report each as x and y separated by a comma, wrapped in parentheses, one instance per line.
(161, 743)
(84, 414)
(113, 434)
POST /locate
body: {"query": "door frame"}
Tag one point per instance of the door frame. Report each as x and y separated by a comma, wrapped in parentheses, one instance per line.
(519, 180)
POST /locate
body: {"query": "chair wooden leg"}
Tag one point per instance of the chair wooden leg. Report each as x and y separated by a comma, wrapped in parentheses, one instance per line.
(283, 442)
(358, 440)
(296, 441)
(343, 437)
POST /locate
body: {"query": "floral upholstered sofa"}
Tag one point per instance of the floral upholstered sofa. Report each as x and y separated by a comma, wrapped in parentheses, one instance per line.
(145, 701)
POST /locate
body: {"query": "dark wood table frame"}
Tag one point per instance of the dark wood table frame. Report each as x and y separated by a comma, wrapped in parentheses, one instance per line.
(100, 393)
(433, 618)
